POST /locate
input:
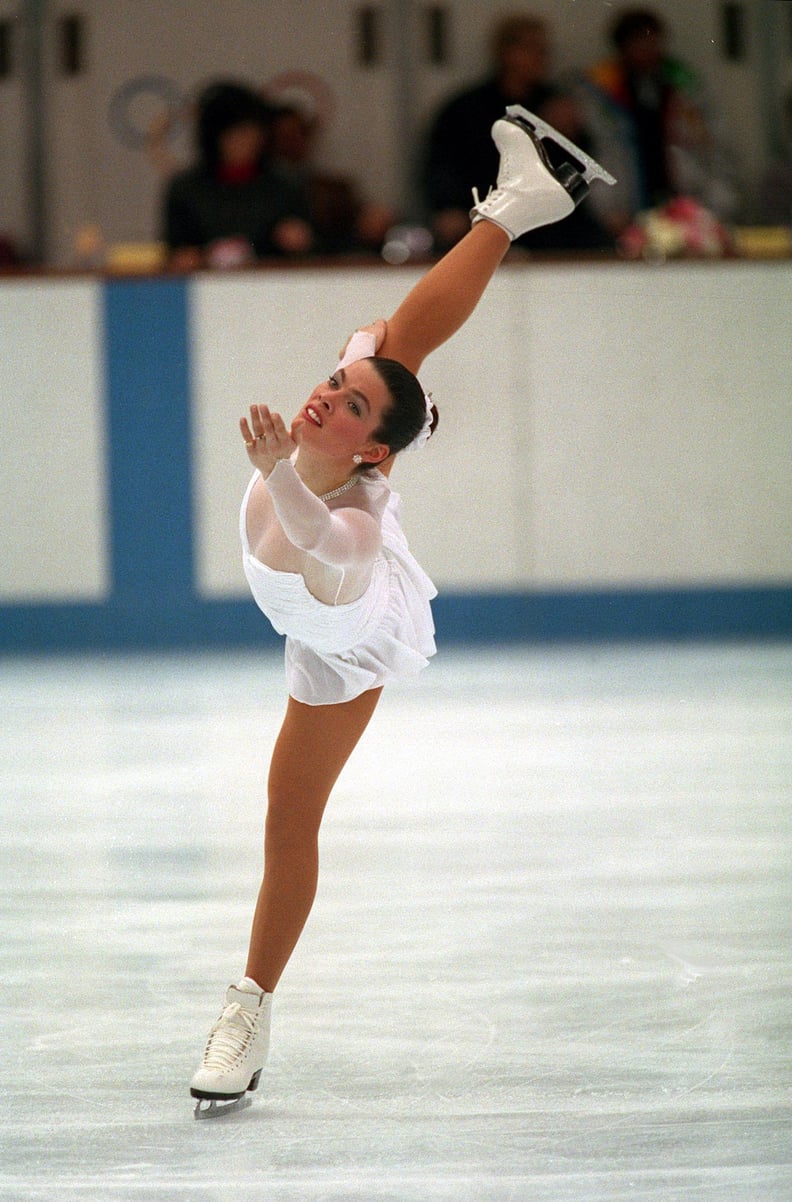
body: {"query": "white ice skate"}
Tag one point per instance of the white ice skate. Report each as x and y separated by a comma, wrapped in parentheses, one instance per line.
(530, 191)
(235, 1053)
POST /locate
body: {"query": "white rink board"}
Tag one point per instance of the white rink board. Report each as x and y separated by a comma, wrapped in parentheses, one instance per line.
(53, 538)
(600, 425)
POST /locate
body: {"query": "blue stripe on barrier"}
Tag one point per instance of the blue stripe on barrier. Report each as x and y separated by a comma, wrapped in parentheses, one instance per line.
(148, 419)
(480, 618)
(616, 615)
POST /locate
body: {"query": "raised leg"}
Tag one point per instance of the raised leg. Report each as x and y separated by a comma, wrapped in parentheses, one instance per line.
(530, 192)
(444, 298)
(313, 746)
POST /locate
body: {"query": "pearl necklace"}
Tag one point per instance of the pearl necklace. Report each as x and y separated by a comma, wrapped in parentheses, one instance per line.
(336, 492)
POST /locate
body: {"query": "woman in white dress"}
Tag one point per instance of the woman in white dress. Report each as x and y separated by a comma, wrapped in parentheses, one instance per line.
(327, 562)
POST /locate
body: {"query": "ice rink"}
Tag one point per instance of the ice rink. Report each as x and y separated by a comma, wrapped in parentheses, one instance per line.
(550, 959)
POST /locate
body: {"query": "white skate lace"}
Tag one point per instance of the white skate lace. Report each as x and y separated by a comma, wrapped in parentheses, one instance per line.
(229, 1039)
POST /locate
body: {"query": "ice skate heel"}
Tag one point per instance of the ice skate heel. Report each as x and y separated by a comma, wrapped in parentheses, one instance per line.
(209, 1106)
(530, 190)
(235, 1053)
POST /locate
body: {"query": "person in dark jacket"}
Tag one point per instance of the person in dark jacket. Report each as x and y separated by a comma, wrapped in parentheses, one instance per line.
(233, 206)
(461, 155)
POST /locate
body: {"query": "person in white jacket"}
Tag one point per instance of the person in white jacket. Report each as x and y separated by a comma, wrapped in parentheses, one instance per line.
(327, 562)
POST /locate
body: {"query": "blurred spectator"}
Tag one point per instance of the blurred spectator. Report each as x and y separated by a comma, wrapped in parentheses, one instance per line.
(653, 127)
(775, 200)
(9, 254)
(340, 219)
(233, 206)
(461, 154)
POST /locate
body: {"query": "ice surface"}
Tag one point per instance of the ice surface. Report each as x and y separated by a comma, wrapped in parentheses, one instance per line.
(550, 960)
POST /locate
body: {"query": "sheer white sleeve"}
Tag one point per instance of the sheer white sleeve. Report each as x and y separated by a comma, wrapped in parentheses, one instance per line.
(343, 538)
(361, 345)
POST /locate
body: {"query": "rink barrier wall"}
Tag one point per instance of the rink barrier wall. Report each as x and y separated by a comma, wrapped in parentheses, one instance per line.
(153, 599)
(464, 618)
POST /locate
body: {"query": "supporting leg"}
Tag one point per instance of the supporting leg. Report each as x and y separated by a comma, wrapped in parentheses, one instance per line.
(313, 746)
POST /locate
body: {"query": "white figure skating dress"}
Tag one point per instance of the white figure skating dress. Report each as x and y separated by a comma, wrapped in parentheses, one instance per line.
(337, 652)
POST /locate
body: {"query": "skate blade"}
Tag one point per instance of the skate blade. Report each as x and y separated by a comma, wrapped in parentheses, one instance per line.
(214, 1108)
(591, 169)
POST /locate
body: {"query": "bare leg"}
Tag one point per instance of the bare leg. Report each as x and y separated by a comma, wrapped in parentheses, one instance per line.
(313, 746)
(315, 742)
(444, 298)
(529, 193)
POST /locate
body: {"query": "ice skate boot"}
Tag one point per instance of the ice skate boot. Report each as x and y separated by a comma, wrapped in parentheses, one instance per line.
(530, 190)
(235, 1052)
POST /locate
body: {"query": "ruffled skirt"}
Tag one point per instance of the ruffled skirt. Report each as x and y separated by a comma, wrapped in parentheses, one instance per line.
(395, 640)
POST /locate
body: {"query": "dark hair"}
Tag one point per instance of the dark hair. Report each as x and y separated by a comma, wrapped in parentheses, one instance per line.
(513, 30)
(223, 105)
(406, 415)
(634, 23)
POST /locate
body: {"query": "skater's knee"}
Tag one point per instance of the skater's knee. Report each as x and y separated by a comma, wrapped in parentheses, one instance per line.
(292, 825)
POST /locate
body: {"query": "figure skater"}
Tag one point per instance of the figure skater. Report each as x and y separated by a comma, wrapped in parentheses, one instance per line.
(328, 564)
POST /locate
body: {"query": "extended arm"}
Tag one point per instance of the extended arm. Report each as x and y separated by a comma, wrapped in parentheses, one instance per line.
(343, 538)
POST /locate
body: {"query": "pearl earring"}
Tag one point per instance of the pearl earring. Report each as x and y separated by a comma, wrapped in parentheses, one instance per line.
(357, 459)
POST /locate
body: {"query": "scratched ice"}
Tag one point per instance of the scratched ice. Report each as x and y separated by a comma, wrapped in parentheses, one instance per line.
(550, 960)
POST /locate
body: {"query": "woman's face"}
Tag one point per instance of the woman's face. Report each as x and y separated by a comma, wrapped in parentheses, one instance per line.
(526, 60)
(341, 415)
(242, 144)
(644, 52)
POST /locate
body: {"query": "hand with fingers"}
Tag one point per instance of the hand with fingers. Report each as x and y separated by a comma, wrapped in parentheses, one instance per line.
(266, 438)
